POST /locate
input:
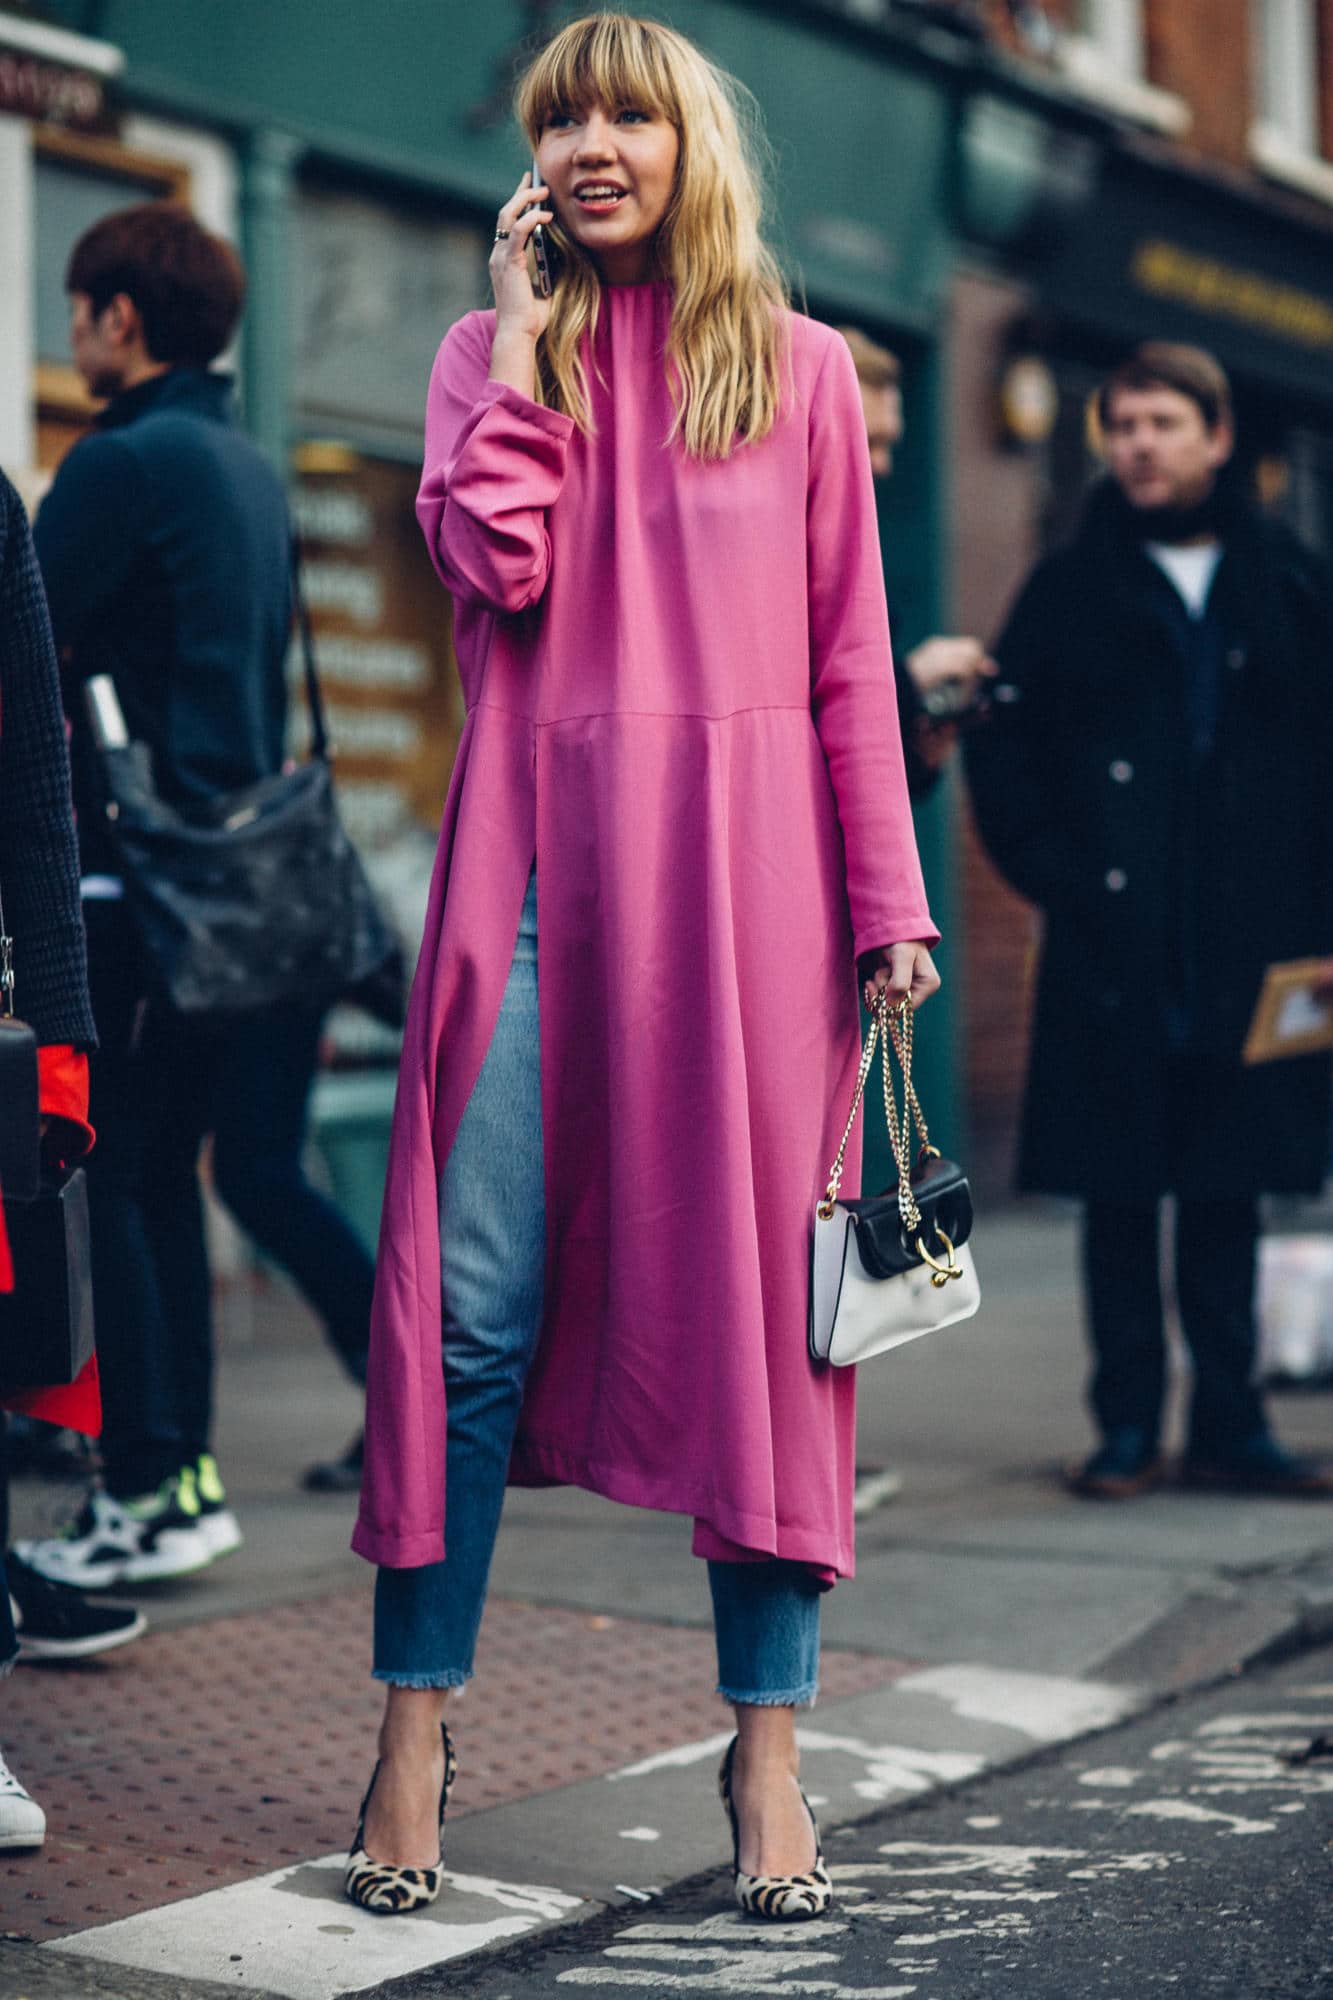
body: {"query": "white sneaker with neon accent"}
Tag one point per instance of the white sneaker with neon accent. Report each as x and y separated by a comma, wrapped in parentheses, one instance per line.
(130, 1541)
(22, 1821)
(220, 1528)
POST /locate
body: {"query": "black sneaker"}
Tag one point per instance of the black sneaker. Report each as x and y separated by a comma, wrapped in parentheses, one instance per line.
(54, 1622)
(1125, 1465)
(1261, 1465)
(337, 1475)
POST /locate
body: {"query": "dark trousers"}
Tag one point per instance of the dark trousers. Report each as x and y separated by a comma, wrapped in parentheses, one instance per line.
(1215, 1248)
(161, 1085)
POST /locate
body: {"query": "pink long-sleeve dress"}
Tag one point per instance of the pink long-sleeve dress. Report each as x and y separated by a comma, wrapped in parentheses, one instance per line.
(679, 701)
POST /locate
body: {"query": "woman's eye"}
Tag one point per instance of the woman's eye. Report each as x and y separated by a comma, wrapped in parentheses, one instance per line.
(555, 119)
(639, 117)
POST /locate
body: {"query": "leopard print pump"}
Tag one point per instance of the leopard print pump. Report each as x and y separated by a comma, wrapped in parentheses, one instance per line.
(378, 1885)
(781, 1899)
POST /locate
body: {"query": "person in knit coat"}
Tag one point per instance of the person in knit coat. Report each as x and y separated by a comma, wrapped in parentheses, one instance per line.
(39, 885)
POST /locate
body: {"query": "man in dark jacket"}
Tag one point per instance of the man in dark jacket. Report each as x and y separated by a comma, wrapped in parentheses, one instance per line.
(1158, 779)
(165, 547)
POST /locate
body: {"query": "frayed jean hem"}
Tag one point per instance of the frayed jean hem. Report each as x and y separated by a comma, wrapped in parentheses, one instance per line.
(452, 1677)
(801, 1697)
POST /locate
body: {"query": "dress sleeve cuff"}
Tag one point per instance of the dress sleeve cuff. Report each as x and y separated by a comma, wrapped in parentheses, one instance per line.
(915, 929)
(552, 422)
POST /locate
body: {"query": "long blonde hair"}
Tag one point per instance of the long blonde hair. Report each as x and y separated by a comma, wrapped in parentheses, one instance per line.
(726, 347)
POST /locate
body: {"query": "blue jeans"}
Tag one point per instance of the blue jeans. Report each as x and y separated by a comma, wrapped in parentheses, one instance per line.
(493, 1245)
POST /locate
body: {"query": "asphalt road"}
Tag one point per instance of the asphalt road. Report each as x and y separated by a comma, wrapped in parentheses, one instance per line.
(1186, 1854)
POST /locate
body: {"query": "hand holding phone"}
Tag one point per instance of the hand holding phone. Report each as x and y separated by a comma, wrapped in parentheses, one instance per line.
(521, 311)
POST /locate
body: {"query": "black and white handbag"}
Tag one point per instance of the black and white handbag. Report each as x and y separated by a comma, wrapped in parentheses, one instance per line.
(886, 1269)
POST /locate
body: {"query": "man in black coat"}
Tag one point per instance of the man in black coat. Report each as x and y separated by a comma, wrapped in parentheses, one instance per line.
(1158, 779)
(165, 547)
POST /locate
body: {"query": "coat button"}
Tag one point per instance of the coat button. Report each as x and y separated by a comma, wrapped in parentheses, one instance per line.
(1235, 658)
(1116, 879)
(1121, 771)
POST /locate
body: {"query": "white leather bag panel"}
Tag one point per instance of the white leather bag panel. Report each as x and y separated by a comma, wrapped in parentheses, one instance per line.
(853, 1316)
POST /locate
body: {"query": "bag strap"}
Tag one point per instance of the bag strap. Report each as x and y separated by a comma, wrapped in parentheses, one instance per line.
(319, 734)
(893, 1026)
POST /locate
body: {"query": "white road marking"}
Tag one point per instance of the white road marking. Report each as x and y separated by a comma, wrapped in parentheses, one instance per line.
(639, 1833)
(1110, 1776)
(738, 1978)
(787, 1958)
(895, 1767)
(1251, 1725)
(297, 1935)
(680, 1759)
(727, 1923)
(1049, 1708)
(924, 1857)
(1006, 1924)
(916, 1899)
(1200, 1815)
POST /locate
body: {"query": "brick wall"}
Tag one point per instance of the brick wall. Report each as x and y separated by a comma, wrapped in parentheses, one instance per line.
(1200, 49)
(1325, 20)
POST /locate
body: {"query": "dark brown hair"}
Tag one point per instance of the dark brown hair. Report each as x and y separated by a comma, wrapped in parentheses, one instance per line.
(875, 366)
(188, 285)
(1166, 364)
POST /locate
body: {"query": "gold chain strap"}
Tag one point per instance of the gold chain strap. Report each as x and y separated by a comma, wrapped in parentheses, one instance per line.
(893, 1025)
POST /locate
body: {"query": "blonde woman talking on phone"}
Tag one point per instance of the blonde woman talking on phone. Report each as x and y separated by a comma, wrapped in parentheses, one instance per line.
(678, 824)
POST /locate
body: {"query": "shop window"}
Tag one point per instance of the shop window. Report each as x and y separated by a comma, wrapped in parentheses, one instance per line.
(77, 179)
(375, 288)
(376, 284)
(383, 641)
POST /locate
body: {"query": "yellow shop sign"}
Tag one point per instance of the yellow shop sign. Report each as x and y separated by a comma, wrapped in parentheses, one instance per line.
(1208, 285)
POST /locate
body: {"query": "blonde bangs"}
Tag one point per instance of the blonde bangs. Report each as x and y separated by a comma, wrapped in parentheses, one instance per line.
(601, 60)
(726, 347)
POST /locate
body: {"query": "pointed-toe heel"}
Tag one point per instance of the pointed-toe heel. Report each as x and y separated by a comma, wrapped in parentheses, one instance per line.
(779, 1899)
(381, 1887)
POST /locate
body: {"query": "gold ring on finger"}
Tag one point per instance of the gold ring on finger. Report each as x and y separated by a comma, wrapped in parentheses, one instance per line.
(502, 235)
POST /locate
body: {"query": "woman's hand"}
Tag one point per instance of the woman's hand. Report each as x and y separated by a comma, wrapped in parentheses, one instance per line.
(903, 971)
(520, 314)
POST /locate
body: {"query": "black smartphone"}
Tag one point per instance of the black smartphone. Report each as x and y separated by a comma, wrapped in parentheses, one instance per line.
(543, 258)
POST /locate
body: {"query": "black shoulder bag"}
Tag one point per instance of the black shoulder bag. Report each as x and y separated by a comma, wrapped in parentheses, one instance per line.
(251, 898)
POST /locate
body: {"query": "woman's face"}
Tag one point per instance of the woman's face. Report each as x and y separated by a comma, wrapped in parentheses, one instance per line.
(611, 174)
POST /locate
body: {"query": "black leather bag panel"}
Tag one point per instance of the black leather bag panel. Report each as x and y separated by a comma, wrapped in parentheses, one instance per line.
(945, 1201)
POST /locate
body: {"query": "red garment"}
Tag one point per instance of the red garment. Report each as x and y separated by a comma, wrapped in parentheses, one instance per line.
(62, 1086)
